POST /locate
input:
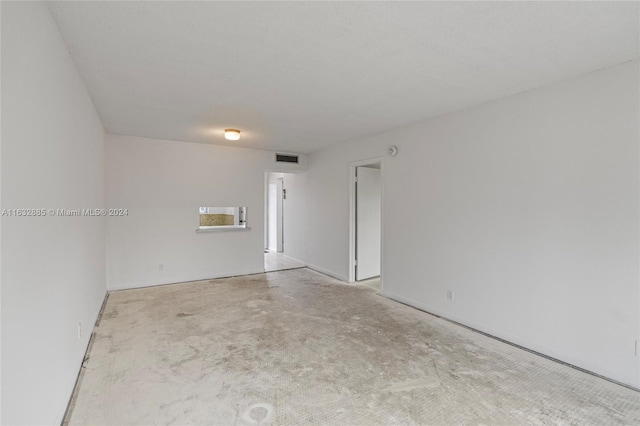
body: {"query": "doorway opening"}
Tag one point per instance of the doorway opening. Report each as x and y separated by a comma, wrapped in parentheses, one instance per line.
(275, 214)
(275, 258)
(365, 251)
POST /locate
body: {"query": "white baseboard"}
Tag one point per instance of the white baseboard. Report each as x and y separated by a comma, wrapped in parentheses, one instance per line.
(327, 272)
(508, 338)
(185, 280)
(483, 329)
(293, 258)
(80, 359)
(318, 268)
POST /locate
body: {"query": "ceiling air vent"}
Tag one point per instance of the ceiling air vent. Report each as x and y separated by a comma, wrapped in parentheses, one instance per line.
(286, 158)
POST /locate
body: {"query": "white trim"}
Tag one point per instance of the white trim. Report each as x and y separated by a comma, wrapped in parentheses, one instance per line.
(352, 224)
(506, 337)
(326, 272)
(80, 359)
(318, 269)
(186, 280)
(221, 228)
(476, 326)
(367, 162)
(280, 197)
(291, 258)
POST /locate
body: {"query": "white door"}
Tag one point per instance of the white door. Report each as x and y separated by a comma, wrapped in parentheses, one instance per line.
(368, 223)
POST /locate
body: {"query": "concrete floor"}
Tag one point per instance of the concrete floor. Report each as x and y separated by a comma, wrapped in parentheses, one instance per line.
(279, 262)
(297, 347)
(373, 283)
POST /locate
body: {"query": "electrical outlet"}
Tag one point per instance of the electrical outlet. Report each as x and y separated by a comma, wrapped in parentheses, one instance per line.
(450, 295)
(79, 330)
(161, 266)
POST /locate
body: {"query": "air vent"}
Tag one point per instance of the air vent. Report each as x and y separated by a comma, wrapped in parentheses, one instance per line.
(286, 158)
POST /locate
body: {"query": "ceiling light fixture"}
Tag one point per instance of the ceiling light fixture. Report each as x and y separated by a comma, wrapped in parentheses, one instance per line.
(232, 134)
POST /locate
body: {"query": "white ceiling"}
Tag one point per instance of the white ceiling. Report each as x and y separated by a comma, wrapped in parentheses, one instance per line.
(299, 76)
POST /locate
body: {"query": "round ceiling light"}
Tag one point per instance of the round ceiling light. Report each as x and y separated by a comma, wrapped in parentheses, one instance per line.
(232, 134)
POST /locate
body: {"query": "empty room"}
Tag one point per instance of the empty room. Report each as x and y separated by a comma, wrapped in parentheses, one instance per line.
(327, 213)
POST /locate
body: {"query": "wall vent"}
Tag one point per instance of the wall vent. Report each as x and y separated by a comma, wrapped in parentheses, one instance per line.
(287, 158)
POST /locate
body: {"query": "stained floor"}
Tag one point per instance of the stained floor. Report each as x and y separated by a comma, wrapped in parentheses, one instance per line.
(297, 347)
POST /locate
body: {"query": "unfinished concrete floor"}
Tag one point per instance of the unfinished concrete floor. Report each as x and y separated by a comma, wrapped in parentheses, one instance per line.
(296, 347)
(279, 262)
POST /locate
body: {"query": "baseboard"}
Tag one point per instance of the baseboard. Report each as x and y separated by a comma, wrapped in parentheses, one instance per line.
(185, 280)
(63, 415)
(475, 326)
(500, 336)
(327, 272)
(293, 258)
(318, 268)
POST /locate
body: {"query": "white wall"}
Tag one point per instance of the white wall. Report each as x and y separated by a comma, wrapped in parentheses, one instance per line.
(53, 268)
(527, 208)
(296, 226)
(317, 206)
(162, 184)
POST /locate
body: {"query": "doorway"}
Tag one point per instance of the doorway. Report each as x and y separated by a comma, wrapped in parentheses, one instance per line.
(275, 217)
(366, 221)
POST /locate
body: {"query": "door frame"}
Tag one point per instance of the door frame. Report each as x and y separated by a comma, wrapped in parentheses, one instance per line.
(280, 215)
(352, 215)
(279, 212)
